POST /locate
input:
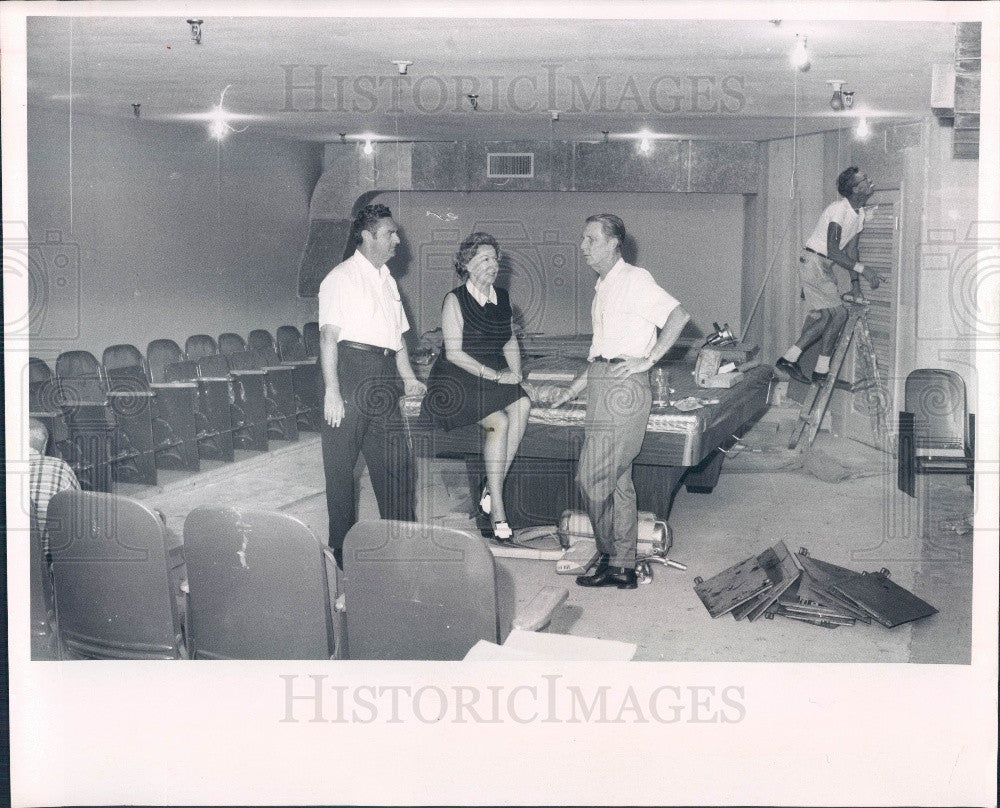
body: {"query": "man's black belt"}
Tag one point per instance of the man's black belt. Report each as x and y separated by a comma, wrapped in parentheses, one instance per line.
(614, 361)
(364, 346)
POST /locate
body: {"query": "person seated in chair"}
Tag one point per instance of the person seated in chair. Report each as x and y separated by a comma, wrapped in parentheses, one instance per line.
(48, 475)
(834, 241)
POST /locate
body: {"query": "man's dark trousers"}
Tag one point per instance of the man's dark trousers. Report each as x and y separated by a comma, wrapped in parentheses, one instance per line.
(373, 426)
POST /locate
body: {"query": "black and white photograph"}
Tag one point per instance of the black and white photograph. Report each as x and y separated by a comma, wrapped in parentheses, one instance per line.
(480, 403)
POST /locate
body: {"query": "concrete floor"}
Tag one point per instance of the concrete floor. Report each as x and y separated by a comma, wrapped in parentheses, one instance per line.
(766, 493)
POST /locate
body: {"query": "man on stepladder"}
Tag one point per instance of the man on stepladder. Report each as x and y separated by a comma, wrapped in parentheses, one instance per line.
(834, 240)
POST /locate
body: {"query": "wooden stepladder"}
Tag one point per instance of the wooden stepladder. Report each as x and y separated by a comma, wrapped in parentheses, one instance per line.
(818, 398)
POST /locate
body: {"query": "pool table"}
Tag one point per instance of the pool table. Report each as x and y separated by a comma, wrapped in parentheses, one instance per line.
(679, 448)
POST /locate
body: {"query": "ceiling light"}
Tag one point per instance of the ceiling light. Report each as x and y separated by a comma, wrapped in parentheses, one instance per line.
(368, 149)
(800, 54)
(195, 30)
(219, 118)
(863, 130)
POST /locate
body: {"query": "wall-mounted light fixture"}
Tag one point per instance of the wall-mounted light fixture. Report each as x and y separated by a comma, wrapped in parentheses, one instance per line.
(863, 130)
(645, 144)
(837, 100)
(474, 100)
(368, 148)
(799, 57)
(604, 134)
(555, 114)
(195, 30)
(135, 109)
(401, 65)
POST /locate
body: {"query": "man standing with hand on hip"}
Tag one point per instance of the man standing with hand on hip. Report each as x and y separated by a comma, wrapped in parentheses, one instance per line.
(628, 308)
(362, 356)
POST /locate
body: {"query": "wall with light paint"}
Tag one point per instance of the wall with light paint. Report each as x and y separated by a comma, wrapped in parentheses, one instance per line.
(691, 243)
(154, 231)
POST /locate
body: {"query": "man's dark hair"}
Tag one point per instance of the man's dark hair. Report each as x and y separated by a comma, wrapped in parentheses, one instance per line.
(611, 226)
(367, 219)
(468, 249)
(845, 182)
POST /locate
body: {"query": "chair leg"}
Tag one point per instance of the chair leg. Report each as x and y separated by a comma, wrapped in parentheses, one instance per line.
(906, 456)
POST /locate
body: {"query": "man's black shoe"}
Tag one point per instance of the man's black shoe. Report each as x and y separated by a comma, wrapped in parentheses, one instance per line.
(793, 370)
(622, 577)
(603, 560)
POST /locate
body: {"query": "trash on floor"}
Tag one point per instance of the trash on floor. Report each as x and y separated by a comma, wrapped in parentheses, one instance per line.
(804, 588)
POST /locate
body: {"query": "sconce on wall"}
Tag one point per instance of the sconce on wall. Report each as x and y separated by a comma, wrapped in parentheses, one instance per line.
(842, 99)
(195, 30)
(799, 57)
(474, 100)
(135, 109)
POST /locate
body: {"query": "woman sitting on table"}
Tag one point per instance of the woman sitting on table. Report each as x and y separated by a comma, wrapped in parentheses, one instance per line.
(478, 377)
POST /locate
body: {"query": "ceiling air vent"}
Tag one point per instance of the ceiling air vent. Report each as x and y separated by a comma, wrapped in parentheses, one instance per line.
(510, 164)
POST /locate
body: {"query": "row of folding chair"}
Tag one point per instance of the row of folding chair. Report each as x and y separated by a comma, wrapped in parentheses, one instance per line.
(126, 416)
(262, 586)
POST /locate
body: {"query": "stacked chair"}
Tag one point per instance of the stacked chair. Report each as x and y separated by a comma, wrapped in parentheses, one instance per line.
(278, 384)
(305, 377)
(173, 405)
(110, 428)
(43, 611)
(167, 363)
(247, 393)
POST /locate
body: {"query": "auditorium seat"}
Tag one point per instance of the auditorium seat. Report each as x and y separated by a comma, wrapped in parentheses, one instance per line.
(279, 385)
(247, 394)
(415, 591)
(167, 363)
(173, 406)
(305, 375)
(310, 338)
(43, 405)
(100, 418)
(261, 587)
(936, 431)
(43, 640)
(111, 566)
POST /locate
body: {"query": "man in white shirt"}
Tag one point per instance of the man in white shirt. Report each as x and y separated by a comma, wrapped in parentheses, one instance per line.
(628, 308)
(834, 241)
(362, 356)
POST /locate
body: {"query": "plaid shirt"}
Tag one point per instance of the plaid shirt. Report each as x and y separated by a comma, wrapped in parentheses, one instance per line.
(49, 476)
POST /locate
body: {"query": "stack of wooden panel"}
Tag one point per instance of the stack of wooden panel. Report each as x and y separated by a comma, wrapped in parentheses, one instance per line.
(800, 587)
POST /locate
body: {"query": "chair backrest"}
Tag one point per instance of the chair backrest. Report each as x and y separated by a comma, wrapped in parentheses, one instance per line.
(290, 347)
(243, 360)
(310, 336)
(125, 368)
(110, 574)
(230, 343)
(80, 378)
(416, 591)
(258, 587)
(43, 393)
(42, 606)
(200, 345)
(184, 371)
(214, 366)
(260, 339)
(937, 400)
(159, 354)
